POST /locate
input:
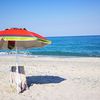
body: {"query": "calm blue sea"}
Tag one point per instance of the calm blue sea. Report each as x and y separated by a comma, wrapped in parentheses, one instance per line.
(77, 46)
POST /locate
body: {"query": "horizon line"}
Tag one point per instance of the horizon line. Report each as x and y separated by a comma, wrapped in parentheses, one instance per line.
(73, 35)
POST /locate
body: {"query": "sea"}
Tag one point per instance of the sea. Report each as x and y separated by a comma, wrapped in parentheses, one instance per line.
(66, 46)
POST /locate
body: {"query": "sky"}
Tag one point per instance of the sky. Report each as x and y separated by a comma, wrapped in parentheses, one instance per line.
(52, 17)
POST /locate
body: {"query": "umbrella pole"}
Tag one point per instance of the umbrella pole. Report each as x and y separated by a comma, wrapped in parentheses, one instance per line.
(17, 76)
(16, 60)
(20, 77)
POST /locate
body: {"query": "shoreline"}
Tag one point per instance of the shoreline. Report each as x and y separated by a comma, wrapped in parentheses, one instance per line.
(48, 56)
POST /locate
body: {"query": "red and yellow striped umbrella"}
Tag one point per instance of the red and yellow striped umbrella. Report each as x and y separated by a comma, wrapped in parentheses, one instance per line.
(21, 38)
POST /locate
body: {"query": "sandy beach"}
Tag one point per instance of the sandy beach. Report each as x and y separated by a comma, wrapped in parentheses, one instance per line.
(53, 78)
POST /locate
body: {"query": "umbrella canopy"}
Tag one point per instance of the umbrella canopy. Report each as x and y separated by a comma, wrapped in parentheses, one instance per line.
(21, 38)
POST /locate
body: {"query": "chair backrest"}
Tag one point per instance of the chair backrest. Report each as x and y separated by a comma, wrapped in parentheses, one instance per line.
(20, 69)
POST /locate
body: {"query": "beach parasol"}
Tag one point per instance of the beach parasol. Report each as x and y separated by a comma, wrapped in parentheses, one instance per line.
(18, 38)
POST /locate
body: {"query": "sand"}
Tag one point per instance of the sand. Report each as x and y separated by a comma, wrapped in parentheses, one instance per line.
(53, 78)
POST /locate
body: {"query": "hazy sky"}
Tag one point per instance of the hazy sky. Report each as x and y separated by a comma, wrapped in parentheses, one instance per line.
(52, 17)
